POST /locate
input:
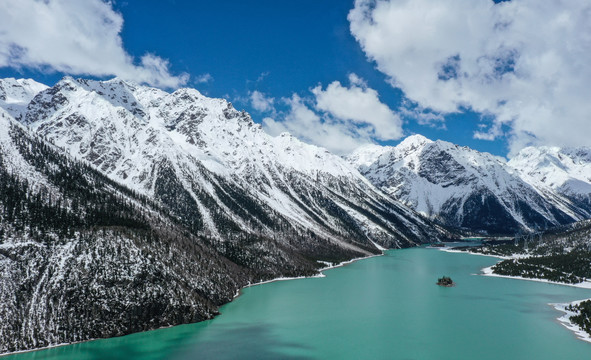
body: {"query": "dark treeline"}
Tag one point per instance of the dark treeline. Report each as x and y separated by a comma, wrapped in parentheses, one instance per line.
(95, 258)
(77, 198)
(571, 268)
(583, 317)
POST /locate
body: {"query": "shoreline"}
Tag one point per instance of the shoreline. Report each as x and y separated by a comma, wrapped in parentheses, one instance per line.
(452, 251)
(563, 320)
(84, 341)
(43, 348)
(487, 271)
(320, 274)
(329, 266)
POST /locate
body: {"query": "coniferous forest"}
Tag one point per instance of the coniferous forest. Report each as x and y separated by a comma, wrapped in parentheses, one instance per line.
(583, 317)
(83, 257)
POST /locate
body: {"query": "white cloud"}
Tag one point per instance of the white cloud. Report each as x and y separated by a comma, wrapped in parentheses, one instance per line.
(356, 80)
(361, 106)
(422, 116)
(523, 63)
(260, 102)
(304, 123)
(338, 118)
(75, 37)
(204, 78)
(262, 76)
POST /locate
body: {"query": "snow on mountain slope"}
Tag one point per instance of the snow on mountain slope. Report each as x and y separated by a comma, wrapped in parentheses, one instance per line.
(566, 171)
(365, 155)
(13, 160)
(464, 188)
(192, 201)
(213, 165)
(82, 257)
(15, 94)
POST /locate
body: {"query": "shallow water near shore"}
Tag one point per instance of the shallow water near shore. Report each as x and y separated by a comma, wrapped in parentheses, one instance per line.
(384, 307)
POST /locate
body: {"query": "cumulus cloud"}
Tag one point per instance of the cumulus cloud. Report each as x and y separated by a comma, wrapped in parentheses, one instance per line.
(521, 63)
(356, 80)
(339, 118)
(75, 37)
(422, 116)
(360, 105)
(204, 78)
(260, 102)
(306, 124)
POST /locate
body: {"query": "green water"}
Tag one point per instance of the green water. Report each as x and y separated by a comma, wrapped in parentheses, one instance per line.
(385, 307)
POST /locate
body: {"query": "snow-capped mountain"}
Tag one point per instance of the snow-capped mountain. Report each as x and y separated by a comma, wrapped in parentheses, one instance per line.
(82, 257)
(366, 155)
(213, 165)
(15, 94)
(566, 171)
(153, 208)
(462, 187)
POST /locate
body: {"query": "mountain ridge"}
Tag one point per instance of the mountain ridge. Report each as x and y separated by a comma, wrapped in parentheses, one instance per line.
(444, 182)
(183, 121)
(112, 190)
(565, 171)
(131, 132)
(157, 188)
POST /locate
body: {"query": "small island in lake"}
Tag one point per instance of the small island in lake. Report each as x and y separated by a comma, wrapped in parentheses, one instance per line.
(445, 281)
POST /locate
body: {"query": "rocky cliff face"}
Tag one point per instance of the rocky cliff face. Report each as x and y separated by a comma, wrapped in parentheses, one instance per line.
(461, 187)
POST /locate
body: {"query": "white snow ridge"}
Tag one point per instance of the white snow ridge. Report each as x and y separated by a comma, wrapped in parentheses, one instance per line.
(461, 187)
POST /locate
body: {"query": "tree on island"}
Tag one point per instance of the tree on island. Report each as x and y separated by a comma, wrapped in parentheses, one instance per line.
(445, 281)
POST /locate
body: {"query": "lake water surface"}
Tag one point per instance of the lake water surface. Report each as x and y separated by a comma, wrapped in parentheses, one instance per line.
(385, 307)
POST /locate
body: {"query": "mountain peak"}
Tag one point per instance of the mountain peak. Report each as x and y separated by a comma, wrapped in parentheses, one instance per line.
(212, 164)
(565, 170)
(193, 93)
(451, 183)
(13, 82)
(414, 141)
(19, 90)
(15, 94)
(367, 154)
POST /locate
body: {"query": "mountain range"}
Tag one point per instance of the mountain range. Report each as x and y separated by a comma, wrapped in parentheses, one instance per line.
(114, 190)
(126, 208)
(460, 187)
(83, 257)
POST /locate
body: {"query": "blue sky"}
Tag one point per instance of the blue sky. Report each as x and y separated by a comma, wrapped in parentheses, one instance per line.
(282, 48)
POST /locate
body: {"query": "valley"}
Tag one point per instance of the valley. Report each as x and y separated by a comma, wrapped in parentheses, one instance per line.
(110, 186)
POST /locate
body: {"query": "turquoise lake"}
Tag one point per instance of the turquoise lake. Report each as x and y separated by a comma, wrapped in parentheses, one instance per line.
(385, 307)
